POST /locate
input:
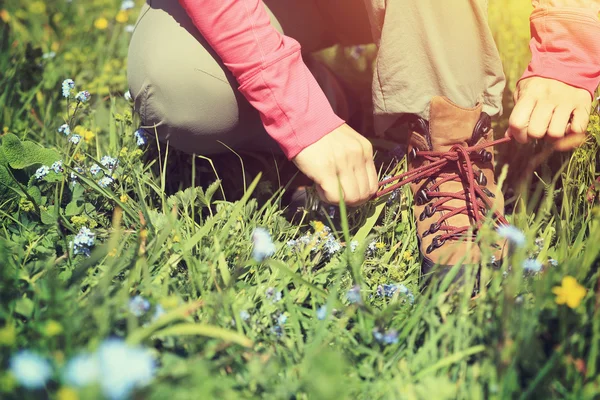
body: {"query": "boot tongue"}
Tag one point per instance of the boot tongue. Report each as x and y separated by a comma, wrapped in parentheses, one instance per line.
(450, 124)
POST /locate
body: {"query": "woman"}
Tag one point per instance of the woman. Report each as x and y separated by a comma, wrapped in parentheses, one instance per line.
(209, 71)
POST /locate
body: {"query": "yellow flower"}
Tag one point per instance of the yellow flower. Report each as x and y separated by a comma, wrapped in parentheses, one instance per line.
(4, 16)
(407, 255)
(66, 393)
(8, 335)
(101, 23)
(78, 157)
(5, 130)
(88, 136)
(113, 252)
(53, 328)
(124, 198)
(319, 226)
(122, 17)
(380, 245)
(570, 292)
(37, 7)
(123, 152)
(144, 233)
(79, 220)
(176, 238)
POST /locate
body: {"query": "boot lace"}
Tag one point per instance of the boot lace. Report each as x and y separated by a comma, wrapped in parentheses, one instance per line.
(456, 164)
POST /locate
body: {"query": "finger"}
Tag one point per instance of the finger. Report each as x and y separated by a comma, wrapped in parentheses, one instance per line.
(328, 191)
(576, 131)
(560, 120)
(580, 121)
(540, 120)
(362, 182)
(519, 119)
(350, 187)
(373, 178)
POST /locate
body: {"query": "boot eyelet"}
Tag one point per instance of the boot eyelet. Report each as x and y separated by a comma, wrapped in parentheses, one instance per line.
(421, 197)
(429, 211)
(430, 248)
(482, 180)
(434, 227)
(437, 243)
(426, 233)
(423, 215)
(412, 154)
(488, 193)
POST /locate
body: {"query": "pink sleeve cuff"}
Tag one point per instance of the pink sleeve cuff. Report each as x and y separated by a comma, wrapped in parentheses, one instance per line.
(565, 45)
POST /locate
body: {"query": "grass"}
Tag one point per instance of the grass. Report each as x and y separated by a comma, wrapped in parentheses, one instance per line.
(233, 327)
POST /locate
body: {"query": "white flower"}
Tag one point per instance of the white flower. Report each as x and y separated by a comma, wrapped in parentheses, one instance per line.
(82, 370)
(512, 234)
(263, 245)
(30, 370)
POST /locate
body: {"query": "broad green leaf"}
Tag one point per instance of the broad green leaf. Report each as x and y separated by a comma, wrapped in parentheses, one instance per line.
(20, 154)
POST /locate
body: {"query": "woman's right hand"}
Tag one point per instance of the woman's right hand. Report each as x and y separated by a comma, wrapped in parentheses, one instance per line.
(342, 154)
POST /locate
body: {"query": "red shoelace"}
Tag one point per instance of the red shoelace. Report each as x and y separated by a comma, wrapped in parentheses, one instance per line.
(456, 165)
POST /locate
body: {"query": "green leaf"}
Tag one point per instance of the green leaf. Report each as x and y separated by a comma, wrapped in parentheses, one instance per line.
(216, 332)
(20, 155)
(24, 307)
(48, 217)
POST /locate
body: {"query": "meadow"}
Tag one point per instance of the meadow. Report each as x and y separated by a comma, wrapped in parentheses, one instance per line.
(117, 281)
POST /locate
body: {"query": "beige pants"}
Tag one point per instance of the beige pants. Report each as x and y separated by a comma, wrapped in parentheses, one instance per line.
(426, 48)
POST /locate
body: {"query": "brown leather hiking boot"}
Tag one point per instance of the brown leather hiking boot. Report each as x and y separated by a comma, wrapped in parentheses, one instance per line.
(450, 171)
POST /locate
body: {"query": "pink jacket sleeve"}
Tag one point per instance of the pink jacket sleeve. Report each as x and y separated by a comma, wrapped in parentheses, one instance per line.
(269, 69)
(565, 42)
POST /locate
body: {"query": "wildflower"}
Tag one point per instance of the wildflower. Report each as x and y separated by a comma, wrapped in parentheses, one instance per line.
(127, 4)
(277, 330)
(8, 335)
(553, 262)
(49, 55)
(390, 337)
(377, 335)
(109, 162)
(353, 295)
(41, 172)
(105, 182)
(127, 95)
(244, 315)
(67, 86)
(140, 137)
(159, 311)
(101, 23)
(123, 368)
(282, 319)
(332, 246)
(386, 290)
(371, 247)
(75, 139)
(74, 176)
(322, 313)
(380, 245)
(138, 306)
(83, 241)
(64, 129)
(532, 265)
(570, 292)
(124, 198)
(53, 328)
(83, 96)
(57, 167)
(129, 28)
(66, 393)
(122, 16)
(82, 370)
(263, 245)
(319, 226)
(30, 370)
(514, 235)
(88, 135)
(407, 255)
(275, 296)
(94, 169)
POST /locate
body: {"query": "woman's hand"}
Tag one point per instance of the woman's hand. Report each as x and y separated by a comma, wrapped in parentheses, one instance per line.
(343, 154)
(547, 108)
